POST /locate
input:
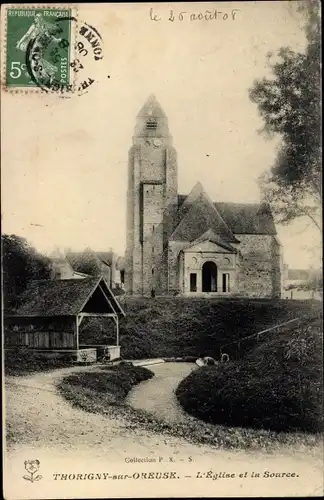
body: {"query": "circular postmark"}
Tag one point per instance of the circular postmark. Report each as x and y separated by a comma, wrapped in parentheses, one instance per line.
(65, 65)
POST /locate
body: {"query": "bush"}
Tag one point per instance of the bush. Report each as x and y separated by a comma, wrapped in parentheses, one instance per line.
(193, 327)
(179, 326)
(277, 386)
(97, 331)
(109, 386)
(134, 343)
(21, 361)
(134, 346)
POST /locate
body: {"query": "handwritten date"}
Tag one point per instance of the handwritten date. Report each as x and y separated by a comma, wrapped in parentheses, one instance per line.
(208, 15)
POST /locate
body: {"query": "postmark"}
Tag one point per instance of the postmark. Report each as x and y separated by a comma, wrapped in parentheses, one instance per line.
(61, 56)
(89, 56)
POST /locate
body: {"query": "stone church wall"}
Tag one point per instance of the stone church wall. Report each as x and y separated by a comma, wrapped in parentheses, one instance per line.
(278, 262)
(174, 278)
(258, 272)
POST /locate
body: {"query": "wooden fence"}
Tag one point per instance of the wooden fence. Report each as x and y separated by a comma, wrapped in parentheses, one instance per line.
(37, 339)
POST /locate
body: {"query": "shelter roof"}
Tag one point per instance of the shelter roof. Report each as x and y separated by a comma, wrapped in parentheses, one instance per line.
(67, 297)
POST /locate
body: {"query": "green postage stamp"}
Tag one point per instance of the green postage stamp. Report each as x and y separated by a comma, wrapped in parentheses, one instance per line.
(38, 47)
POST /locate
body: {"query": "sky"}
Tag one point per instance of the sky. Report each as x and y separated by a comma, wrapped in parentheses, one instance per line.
(64, 161)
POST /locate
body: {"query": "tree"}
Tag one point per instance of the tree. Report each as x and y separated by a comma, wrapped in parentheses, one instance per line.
(289, 101)
(85, 262)
(20, 264)
(314, 282)
(288, 203)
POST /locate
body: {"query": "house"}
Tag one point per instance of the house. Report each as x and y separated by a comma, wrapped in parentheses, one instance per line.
(79, 265)
(51, 313)
(303, 284)
(61, 267)
(92, 264)
(297, 277)
(190, 244)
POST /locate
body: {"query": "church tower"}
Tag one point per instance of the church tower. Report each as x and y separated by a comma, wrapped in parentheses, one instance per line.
(151, 202)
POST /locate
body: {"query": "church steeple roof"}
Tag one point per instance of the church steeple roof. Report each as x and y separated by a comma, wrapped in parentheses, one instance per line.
(151, 108)
(151, 121)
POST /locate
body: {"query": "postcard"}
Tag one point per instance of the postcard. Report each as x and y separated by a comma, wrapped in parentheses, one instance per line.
(161, 250)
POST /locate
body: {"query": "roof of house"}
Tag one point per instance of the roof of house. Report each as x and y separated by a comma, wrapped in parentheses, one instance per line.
(61, 261)
(48, 298)
(240, 218)
(82, 275)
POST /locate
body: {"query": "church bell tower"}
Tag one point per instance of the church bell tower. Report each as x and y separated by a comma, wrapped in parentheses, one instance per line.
(151, 202)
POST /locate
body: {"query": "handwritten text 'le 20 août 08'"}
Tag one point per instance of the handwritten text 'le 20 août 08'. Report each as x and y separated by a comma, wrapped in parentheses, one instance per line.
(207, 15)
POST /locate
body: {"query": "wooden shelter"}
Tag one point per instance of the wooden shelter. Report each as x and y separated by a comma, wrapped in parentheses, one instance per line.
(51, 313)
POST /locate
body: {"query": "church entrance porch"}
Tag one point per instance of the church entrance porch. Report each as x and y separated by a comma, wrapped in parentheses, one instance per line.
(206, 275)
(209, 277)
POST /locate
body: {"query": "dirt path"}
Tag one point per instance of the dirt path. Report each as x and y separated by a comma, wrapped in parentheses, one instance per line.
(43, 425)
(157, 395)
(37, 415)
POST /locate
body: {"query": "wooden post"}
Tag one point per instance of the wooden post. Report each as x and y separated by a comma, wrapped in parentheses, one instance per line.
(117, 328)
(76, 333)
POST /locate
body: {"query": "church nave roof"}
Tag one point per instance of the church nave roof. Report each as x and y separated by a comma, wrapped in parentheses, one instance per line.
(195, 216)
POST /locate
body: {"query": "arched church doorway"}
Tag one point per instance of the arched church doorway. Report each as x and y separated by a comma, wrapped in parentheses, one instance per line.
(209, 277)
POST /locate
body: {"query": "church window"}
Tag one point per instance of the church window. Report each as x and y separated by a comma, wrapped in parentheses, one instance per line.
(152, 270)
(193, 282)
(226, 282)
(151, 124)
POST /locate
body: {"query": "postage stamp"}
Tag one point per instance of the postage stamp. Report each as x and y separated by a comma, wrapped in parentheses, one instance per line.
(39, 47)
(50, 50)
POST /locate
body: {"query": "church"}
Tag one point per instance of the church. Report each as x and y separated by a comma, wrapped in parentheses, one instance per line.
(189, 244)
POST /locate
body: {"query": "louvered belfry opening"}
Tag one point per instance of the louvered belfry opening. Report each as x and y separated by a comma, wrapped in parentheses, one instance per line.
(151, 124)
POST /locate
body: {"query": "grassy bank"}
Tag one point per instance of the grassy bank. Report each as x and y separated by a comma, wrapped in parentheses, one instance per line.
(23, 361)
(177, 326)
(96, 391)
(277, 386)
(105, 390)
